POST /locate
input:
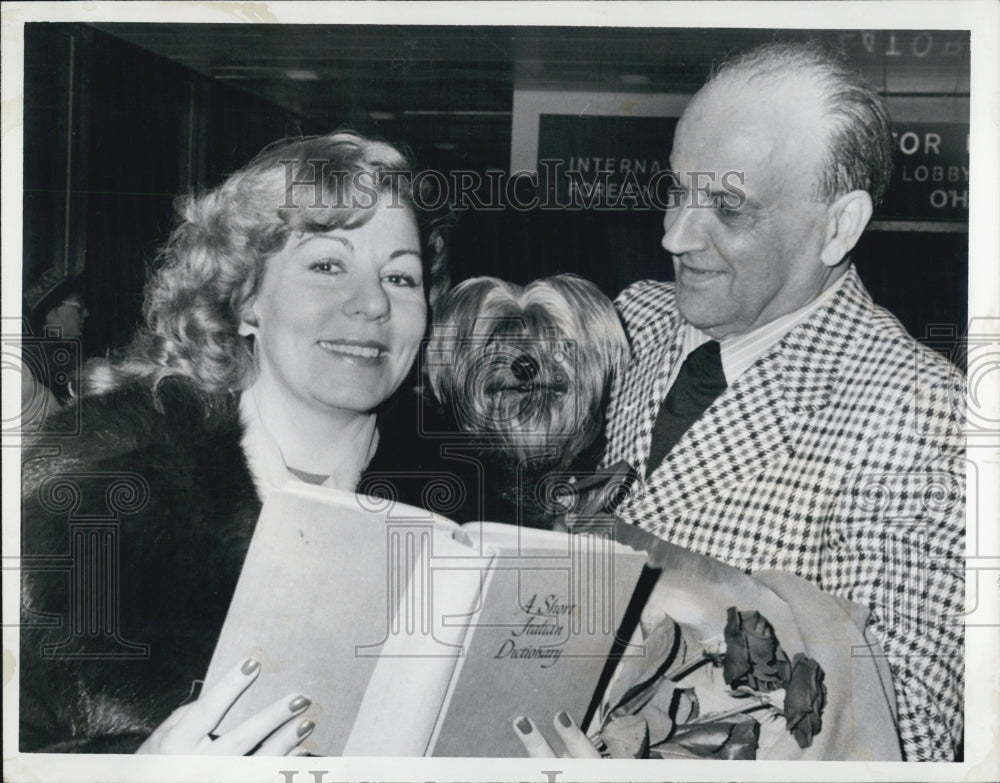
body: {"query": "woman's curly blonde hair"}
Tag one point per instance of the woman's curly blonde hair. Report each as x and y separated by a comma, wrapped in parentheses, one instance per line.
(213, 262)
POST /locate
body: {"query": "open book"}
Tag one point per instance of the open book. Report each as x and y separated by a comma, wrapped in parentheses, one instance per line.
(415, 636)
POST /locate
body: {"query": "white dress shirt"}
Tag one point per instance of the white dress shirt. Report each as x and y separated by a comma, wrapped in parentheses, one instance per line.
(740, 351)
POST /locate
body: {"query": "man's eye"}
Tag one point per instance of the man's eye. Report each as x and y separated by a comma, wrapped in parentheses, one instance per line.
(327, 266)
(726, 203)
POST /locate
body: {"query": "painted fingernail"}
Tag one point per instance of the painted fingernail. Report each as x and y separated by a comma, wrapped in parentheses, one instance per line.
(305, 728)
(523, 725)
(564, 719)
(298, 704)
(196, 688)
(250, 666)
(463, 538)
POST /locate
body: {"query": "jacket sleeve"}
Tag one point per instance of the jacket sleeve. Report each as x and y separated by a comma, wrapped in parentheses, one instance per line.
(898, 545)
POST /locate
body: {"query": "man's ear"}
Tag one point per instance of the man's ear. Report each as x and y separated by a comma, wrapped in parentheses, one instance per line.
(847, 218)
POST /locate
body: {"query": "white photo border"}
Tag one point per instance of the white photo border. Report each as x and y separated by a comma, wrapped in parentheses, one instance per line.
(981, 17)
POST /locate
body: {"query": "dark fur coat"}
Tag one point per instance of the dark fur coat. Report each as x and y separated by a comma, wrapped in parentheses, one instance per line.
(134, 531)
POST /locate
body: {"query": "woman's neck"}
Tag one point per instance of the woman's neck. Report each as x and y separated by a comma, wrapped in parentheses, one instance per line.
(323, 442)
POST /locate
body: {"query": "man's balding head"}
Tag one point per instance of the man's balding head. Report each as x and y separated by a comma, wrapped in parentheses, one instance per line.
(859, 144)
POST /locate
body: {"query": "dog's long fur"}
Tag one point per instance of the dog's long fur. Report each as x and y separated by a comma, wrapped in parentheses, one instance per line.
(525, 373)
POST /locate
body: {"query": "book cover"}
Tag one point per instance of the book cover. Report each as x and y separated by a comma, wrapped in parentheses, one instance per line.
(540, 642)
(413, 636)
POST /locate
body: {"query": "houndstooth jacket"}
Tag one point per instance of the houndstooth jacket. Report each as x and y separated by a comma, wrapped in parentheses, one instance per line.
(838, 456)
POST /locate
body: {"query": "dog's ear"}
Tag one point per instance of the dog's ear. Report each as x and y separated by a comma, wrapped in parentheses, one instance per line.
(463, 305)
(598, 330)
(455, 317)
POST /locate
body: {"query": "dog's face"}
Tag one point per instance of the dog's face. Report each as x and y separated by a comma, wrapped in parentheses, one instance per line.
(526, 368)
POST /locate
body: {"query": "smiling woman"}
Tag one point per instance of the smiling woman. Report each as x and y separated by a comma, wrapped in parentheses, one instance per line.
(288, 308)
(336, 325)
(339, 316)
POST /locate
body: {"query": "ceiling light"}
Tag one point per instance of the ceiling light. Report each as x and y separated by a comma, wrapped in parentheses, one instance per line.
(382, 115)
(447, 146)
(634, 79)
(301, 75)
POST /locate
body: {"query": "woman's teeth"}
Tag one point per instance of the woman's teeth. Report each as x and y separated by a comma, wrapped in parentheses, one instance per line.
(364, 351)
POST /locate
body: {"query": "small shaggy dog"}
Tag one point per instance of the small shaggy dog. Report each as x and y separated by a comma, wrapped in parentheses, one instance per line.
(522, 375)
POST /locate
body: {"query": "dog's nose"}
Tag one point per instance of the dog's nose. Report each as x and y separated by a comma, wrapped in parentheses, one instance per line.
(524, 368)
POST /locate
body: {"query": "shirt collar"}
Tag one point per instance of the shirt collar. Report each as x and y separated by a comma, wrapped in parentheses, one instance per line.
(740, 351)
(266, 462)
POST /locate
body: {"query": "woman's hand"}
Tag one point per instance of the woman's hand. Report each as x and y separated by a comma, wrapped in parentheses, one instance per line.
(187, 729)
(573, 739)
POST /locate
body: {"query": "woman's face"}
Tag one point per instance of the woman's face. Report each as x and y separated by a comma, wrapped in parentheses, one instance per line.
(339, 316)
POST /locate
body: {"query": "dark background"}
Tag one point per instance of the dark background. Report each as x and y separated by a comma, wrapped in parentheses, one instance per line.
(121, 118)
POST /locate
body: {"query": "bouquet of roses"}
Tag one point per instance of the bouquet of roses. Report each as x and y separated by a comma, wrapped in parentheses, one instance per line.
(649, 711)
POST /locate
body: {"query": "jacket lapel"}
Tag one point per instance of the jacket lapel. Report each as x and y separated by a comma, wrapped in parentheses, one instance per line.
(752, 424)
(647, 387)
(737, 437)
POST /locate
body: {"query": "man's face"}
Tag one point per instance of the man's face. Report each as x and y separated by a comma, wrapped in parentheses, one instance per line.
(742, 265)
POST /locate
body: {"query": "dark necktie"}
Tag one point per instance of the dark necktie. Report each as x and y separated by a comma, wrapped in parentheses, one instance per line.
(698, 383)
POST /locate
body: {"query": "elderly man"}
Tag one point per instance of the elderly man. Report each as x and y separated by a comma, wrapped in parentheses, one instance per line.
(780, 418)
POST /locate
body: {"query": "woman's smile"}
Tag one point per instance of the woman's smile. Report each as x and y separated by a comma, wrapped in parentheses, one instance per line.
(360, 352)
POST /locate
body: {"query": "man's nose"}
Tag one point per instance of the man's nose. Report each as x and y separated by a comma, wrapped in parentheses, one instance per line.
(368, 300)
(684, 229)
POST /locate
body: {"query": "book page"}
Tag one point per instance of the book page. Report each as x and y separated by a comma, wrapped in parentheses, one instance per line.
(417, 661)
(323, 591)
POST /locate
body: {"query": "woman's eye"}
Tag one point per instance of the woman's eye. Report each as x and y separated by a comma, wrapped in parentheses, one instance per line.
(401, 279)
(327, 266)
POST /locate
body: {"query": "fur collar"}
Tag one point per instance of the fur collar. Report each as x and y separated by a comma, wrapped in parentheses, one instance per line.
(165, 476)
